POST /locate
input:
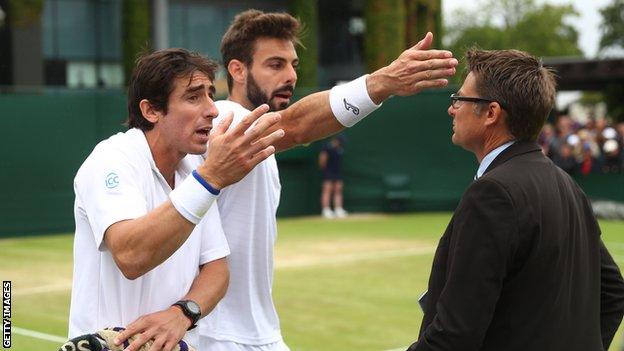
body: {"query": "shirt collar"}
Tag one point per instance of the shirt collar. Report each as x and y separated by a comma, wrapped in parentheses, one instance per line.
(487, 160)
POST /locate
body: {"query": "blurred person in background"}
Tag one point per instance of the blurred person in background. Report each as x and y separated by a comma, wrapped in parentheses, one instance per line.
(521, 265)
(612, 156)
(258, 52)
(590, 157)
(566, 160)
(545, 139)
(330, 163)
(563, 129)
(620, 129)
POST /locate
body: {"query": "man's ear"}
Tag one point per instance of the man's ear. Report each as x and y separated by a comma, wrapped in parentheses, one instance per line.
(495, 114)
(238, 71)
(149, 112)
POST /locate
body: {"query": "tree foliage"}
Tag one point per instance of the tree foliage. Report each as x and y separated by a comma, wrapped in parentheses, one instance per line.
(423, 16)
(541, 30)
(385, 32)
(25, 13)
(613, 37)
(307, 13)
(135, 25)
(612, 25)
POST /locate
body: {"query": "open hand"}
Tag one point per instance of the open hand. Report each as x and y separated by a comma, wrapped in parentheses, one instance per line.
(416, 69)
(234, 153)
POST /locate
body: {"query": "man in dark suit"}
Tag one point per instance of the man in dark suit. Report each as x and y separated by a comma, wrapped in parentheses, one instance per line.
(521, 265)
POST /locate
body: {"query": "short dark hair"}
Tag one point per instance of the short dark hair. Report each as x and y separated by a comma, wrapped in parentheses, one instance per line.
(154, 76)
(239, 40)
(520, 83)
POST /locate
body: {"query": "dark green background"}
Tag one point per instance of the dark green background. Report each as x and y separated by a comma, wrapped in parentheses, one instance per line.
(47, 135)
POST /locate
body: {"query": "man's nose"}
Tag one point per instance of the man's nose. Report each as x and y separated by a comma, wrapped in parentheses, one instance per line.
(210, 110)
(291, 75)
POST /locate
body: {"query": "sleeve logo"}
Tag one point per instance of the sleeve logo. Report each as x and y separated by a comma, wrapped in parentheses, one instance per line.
(112, 180)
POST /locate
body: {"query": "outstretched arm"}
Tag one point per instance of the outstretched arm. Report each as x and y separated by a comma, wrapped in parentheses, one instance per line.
(416, 69)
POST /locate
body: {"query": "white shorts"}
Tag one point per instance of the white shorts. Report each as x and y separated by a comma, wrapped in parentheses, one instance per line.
(209, 344)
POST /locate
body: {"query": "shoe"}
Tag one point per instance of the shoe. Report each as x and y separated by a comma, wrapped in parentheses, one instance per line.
(341, 213)
(328, 213)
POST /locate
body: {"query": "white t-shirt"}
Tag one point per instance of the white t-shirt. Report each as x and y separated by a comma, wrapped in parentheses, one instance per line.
(246, 314)
(120, 181)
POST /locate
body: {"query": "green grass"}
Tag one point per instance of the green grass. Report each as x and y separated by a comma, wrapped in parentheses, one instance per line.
(339, 285)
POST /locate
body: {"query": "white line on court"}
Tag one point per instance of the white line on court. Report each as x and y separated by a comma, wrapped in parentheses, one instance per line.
(283, 264)
(38, 335)
(66, 285)
(349, 258)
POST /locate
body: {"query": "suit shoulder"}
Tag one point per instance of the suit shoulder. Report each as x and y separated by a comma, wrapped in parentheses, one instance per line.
(487, 188)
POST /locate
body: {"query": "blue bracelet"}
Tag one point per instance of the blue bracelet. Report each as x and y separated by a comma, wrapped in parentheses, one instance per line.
(203, 182)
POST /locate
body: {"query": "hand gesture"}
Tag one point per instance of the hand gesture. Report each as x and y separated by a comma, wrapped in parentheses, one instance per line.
(416, 69)
(234, 153)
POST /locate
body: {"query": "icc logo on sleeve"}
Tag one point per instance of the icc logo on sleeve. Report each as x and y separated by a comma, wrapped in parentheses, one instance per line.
(112, 180)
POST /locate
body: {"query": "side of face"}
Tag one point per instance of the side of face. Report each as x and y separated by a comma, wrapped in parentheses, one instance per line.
(191, 109)
(272, 75)
(469, 126)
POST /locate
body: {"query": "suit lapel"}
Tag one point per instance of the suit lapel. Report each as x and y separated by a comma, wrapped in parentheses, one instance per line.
(517, 148)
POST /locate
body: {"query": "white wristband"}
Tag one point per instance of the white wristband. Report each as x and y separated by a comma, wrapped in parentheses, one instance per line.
(192, 199)
(350, 101)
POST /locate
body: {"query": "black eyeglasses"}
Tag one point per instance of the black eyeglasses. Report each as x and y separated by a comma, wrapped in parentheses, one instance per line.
(455, 98)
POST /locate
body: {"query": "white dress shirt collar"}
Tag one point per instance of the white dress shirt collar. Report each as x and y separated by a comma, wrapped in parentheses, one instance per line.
(487, 160)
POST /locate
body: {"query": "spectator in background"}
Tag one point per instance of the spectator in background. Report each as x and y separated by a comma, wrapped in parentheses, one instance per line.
(565, 159)
(330, 162)
(596, 147)
(620, 129)
(612, 156)
(545, 139)
(563, 129)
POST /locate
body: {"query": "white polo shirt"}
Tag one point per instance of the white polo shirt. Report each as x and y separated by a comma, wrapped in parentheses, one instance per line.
(120, 181)
(246, 315)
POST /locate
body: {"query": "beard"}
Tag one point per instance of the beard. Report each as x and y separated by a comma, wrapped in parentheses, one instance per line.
(257, 96)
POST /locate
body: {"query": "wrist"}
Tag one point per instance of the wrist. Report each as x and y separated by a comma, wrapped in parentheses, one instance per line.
(191, 311)
(192, 199)
(375, 87)
(213, 190)
(350, 102)
(185, 320)
(208, 177)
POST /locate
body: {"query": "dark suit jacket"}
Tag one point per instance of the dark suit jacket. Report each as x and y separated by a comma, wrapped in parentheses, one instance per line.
(521, 265)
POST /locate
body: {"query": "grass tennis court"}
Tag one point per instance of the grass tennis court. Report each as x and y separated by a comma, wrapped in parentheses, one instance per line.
(339, 285)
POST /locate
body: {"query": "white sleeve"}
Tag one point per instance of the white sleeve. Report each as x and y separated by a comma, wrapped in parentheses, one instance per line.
(109, 190)
(213, 242)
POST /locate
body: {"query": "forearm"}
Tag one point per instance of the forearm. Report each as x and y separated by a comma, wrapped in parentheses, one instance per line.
(210, 285)
(140, 244)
